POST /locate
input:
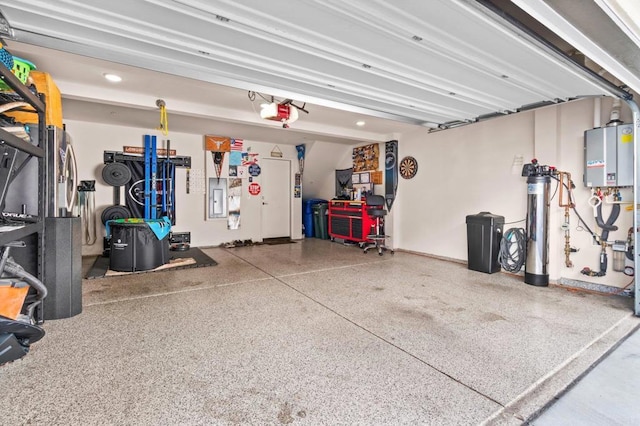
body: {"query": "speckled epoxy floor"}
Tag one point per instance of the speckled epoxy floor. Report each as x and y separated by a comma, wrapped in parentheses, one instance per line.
(311, 333)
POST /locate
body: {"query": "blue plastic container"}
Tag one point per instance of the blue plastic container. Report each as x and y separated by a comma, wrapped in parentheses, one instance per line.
(307, 215)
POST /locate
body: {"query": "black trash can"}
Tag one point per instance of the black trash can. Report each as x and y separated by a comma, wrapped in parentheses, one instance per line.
(484, 232)
(135, 247)
(320, 226)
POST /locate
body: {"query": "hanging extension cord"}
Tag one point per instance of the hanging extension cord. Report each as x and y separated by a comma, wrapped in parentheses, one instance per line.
(164, 120)
(512, 250)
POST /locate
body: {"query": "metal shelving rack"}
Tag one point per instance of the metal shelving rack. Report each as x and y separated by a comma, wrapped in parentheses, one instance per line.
(38, 152)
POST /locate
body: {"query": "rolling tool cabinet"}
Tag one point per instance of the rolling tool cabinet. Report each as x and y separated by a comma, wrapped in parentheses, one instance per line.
(349, 220)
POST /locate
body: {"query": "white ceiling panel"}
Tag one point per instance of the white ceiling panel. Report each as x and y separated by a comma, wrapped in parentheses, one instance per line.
(422, 62)
(606, 31)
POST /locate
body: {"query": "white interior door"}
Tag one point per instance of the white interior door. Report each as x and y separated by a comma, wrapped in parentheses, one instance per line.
(276, 198)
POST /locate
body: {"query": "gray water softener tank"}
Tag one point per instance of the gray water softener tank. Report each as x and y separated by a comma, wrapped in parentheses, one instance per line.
(484, 232)
(537, 250)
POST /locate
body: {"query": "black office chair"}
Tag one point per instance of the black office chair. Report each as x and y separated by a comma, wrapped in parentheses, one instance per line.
(376, 211)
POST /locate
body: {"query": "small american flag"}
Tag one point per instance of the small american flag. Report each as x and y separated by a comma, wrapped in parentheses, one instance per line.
(236, 144)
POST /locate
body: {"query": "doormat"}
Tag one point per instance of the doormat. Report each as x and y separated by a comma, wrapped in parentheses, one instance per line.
(192, 258)
(279, 240)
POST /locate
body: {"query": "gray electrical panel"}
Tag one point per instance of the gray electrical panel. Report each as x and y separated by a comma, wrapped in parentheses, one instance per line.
(608, 156)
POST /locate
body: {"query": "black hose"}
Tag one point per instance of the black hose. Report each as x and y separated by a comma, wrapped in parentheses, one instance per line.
(512, 250)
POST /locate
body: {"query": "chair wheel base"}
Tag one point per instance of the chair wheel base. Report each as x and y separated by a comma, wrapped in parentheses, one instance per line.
(378, 247)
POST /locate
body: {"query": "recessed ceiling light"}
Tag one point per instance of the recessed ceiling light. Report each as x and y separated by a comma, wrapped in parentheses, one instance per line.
(112, 77)
(360, 123)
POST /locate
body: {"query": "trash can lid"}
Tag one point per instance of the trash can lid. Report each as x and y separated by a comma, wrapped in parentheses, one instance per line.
(308, 205)
(314, 201)
(485, 217)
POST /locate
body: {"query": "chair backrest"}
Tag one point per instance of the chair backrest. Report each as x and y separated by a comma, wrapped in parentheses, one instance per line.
(375, 201)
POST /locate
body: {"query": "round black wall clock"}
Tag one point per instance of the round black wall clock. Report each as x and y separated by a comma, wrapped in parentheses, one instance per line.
(408, 167)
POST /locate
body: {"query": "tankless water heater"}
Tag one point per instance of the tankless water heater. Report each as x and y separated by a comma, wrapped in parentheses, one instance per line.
(608, 156)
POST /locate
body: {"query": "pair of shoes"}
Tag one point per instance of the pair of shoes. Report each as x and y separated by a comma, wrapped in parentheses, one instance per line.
(238, 243)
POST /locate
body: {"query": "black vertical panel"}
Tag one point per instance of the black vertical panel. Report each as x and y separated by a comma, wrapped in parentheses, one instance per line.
(63, 267)
(391, 172)
(134, 189)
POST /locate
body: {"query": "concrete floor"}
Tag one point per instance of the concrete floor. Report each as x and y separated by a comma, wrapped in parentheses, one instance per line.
(607, 395)
(312, 333)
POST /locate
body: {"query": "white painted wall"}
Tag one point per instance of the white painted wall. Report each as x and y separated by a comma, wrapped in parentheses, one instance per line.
(92, 139)
(461, 171)
(469, 169)
(322, 159)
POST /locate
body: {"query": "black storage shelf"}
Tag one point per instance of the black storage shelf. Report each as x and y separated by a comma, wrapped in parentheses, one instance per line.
(18, 233)
(23, 91)
(17, 143)
(39, 153)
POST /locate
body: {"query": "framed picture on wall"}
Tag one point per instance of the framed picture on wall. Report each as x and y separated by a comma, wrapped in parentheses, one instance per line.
(355, 178)
(365, 177)
(363, 187)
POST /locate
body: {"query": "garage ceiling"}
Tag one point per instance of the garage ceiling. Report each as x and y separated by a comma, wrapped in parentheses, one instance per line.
(431, 63)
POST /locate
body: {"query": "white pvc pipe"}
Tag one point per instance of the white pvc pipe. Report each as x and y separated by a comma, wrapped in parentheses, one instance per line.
(636, 198)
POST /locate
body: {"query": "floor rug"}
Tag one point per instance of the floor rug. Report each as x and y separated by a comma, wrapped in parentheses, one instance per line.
(279, 240)
(192, 258)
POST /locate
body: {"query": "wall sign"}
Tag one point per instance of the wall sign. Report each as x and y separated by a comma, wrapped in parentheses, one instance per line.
(217, 143)
(365, 158)
(254, 170)
(391, 172)
(254, 188)
(233, 201)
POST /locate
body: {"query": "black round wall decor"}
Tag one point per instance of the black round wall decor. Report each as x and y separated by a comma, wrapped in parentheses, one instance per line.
(408, 167)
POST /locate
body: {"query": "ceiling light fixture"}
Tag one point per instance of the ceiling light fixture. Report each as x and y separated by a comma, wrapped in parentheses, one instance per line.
(360, 123)
(114, 78)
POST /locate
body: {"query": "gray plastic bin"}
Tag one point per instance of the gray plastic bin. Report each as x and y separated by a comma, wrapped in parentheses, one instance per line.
(320, 226)
(484, 232)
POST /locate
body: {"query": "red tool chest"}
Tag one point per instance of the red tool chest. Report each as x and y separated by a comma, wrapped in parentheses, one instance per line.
(349, 220)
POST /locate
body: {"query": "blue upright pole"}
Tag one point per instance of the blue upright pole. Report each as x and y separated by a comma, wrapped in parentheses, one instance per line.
(154, 179)
(147, 176)
(172, 183)
(163, 177)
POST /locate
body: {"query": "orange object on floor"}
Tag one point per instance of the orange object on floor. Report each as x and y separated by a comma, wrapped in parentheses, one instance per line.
(11, 300)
